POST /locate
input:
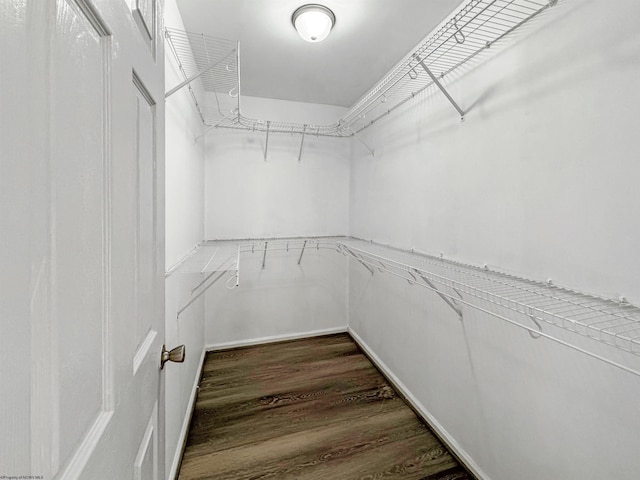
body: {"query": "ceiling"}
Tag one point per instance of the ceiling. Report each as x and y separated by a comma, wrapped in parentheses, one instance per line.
(369, 38)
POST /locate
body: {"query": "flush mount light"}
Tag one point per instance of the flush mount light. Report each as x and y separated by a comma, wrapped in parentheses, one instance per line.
(313, 22)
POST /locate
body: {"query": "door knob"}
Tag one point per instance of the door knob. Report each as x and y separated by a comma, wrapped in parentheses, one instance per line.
(173, 355)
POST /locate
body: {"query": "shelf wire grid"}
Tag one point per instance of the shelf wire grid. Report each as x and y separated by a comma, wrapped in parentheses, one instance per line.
(216, 92)
(472, 28)
(608, 321)
(211, 257)
(287, 244)
(224, 255)
(241, 122)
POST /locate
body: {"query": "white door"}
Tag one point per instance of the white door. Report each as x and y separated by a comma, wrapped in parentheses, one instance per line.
(82, 232)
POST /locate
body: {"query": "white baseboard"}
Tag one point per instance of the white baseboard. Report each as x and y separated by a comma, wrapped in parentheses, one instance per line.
(273, 339)
(184, 431)
(462, 455)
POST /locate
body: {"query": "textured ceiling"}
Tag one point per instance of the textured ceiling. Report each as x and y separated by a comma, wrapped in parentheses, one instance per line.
(369, 38)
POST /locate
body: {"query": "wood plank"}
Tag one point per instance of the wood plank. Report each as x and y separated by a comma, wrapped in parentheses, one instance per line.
(307, 409)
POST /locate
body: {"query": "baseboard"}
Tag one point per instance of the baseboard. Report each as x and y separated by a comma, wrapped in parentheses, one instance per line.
(184, 431)
(420, 409)
(274, 339)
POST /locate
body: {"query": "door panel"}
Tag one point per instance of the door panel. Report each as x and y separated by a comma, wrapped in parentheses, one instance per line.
(144, 14)
(78, 114)
(85, 273)
(145, 251)
(145, 466)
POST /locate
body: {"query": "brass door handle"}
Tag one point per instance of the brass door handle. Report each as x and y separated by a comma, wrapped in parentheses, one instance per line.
(173, 355)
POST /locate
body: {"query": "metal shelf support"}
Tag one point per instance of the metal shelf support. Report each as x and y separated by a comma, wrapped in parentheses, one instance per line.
(266, 144)
(439, 85)
(302, 252)
(304, 131)
(449, 300)
(371, 150)
(202, 292)
(197, 75)
(362, 262)
(264, 256)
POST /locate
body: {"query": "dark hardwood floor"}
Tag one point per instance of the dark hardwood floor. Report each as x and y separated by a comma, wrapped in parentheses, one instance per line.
(307, 409)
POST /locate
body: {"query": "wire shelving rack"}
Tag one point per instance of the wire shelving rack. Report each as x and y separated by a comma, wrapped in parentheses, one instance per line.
(474, 27)
(213, 65)
(210, 69)
(219, 258)
(614, 323)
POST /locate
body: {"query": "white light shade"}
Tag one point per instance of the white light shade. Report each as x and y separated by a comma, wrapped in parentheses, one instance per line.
(313, 22)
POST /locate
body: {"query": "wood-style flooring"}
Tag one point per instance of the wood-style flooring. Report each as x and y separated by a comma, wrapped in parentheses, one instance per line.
(307, 409)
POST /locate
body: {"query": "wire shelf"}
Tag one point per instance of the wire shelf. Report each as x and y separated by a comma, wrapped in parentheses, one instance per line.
(224, 255)
(208, 258)
(473, 27)
(243, 123)
(213, 64)
(614, 323)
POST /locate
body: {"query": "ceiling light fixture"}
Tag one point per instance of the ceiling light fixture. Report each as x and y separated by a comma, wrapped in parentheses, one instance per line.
(313, 22)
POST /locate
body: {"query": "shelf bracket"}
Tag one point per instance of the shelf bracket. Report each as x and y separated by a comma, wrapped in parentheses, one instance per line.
(371, 150)
(449, 301)
(264, 256)
(266, 144)
(302, 252)
(238, 268)
(206, 279)
(197, 75)
(304, 131)
(206, 130)
(357, 258)
(204, 269)
(439, 85)
(209, 128)
(190, 302)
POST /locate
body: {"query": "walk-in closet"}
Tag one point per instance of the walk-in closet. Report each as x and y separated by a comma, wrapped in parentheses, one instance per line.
(351, 239)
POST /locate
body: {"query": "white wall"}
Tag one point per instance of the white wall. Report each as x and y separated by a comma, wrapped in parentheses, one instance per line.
(246, 197)
(541, 177)
(280, 301)
(185, 159)
(539, 180)
(184, 229)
